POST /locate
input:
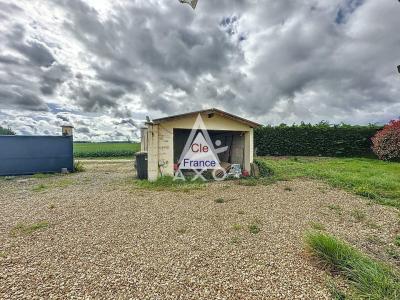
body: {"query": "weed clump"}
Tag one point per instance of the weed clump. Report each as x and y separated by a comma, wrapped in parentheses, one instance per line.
(366, 192)
(317, 226)
(237, 226)
(358, 215)
(369, 278)
(28, 229)
(78, 167)
(168, 183)
(254, 228)
(219, 200)
(397, 241)
(39, 188)
(41, 175)
(265, 170)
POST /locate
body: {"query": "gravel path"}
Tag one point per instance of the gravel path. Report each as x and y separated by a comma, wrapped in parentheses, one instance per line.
(107, 239)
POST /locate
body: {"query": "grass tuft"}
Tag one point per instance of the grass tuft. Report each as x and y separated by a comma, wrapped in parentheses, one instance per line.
(41, 175)
(287, 189)
(254, 228)
(372, 225)
(336, 292)
(248, 182)
(235, 240)
(237, 227)
(397, 241)
(358, 215)
(317, 226)
(219, 200)
(39, 188)
(369, 278)
(335, 208)
(28, 229)
(166, 183)
(365, 192)
(393, 253)
(373, 239)
(265, 169)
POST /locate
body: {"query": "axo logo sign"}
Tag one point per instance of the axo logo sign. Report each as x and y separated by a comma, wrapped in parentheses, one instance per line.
(200, 154)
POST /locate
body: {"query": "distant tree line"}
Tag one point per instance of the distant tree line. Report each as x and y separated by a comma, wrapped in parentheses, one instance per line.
(321, 139)
(6, 131)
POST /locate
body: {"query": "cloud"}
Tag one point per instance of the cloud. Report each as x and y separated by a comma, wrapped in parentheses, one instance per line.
(346, 8)
(150, 53)
(9, 59)
(19, 98)
(63, 118)
(271, 61)
(36, 52)
(53, 76)
(83, 130)
(131, 122)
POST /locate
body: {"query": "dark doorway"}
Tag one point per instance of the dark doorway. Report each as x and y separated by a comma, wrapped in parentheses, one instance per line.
(233, 139)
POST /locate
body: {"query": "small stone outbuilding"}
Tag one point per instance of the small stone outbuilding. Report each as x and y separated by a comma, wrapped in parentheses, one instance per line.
(164, 139)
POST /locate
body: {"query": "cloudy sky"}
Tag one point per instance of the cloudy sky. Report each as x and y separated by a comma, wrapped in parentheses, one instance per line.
(103, 65)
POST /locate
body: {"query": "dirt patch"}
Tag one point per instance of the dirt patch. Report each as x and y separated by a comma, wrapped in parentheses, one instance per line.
(106, 238)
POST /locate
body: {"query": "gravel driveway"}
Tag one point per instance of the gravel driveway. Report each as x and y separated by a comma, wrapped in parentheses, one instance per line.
(95, 235)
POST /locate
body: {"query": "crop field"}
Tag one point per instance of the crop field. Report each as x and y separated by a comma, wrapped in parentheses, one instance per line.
(98, 150)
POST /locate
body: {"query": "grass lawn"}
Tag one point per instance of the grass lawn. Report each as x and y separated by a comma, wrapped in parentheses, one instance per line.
(90, 150)
(371, 178)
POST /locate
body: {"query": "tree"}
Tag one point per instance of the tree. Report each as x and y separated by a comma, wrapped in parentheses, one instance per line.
(386, 142)
(6, 131)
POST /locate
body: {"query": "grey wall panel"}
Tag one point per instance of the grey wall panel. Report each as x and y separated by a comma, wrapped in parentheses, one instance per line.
(23, 155)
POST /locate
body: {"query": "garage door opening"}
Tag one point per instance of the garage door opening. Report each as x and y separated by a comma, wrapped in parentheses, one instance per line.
(233, 139)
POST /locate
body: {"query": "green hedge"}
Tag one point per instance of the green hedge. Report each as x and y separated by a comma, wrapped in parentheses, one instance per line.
(315, 140)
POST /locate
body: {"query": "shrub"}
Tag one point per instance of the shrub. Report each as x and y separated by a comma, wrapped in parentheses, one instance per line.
(78, 167)
(386, 142)
(321, 139)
